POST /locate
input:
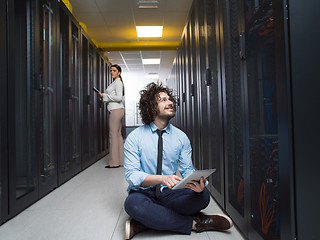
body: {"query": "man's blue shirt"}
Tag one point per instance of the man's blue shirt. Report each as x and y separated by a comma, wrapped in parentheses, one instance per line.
(141, 150)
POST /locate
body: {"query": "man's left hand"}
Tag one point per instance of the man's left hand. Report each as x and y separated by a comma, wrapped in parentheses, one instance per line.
(197, 186)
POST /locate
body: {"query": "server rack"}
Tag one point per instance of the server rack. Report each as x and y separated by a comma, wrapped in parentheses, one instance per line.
(212, 88)
(103, 109)
(46, 93)
(195, 94)
(304, 70)
(234, 114)
(242, 76)
(68, 105)
(22, 105)
(3, 112)
(93, 105)
(87, 101)
(98, 105)
(106, 114)
(41, 63)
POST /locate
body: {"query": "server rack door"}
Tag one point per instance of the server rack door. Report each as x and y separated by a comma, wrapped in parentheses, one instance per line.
(102, 111)
(174, 85)
(180, 89)
(184, 83)
(233, 114)
(23, 185)
(262, 111)
(75, 84)
(64, 98)
(93, 99)
(69, 99)
(172, 81)
(204, 91)
(194, 89)
(46, 84)
(98, 106)
(108, 80)
(86, 102)
(211, 96)
(3, 115)
(304, 52)
(105, 110)
(188, 94)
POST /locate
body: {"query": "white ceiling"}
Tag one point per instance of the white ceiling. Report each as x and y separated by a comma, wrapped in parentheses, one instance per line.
(115, 21)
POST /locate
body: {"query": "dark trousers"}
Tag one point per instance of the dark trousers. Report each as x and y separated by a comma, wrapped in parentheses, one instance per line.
(172, 211)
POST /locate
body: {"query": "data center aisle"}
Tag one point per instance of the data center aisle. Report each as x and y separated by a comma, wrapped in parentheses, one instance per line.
(90, 207)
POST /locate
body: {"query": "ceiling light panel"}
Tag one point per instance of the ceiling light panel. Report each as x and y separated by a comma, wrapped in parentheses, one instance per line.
(151, 4)
(151, 61)
(149, 31)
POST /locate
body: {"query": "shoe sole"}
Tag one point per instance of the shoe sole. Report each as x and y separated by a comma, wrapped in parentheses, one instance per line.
(226, 217)
(127, 230)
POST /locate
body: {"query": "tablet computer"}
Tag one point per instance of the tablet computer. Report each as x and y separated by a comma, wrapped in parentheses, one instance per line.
(96, 90)
(195, 175)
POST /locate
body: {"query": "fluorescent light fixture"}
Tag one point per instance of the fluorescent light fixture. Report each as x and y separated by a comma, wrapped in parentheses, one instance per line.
(151, 61)
(153, 76)
(148, 4)
(149, 31)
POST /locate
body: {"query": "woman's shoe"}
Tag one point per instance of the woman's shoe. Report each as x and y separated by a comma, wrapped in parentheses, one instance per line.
(111, 166)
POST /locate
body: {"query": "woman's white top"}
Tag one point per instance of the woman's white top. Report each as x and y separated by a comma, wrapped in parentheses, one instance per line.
(113, 95)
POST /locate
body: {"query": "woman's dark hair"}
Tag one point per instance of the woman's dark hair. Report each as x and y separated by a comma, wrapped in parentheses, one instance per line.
(119, 69)
(148, 104)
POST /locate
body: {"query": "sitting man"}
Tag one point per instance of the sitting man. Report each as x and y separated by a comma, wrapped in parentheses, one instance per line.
(151, 202)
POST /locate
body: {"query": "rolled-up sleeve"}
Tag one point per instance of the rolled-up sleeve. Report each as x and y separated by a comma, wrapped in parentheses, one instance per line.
(116, 95)
(133, 173)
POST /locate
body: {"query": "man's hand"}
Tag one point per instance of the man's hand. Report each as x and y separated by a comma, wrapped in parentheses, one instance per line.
(170, 180)
(196, 186)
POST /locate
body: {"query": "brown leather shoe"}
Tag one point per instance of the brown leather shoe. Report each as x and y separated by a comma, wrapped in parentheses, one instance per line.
(133, 227)
(216, 222)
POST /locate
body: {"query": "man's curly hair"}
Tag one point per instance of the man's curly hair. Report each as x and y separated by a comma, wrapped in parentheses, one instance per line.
(148, 104)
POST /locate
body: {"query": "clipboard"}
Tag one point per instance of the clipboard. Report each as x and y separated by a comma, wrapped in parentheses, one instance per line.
(96, 90)
(195, 175)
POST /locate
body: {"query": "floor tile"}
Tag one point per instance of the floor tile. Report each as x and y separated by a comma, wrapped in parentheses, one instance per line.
(90, 207)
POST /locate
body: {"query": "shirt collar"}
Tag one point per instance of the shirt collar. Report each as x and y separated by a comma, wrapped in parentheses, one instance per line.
(154, 127)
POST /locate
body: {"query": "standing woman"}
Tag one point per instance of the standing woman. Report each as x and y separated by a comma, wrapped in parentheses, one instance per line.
(113, 97)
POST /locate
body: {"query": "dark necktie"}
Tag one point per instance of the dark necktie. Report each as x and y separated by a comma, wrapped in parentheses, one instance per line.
(159, 162)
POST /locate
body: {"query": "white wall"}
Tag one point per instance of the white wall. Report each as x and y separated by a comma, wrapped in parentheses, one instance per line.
(133, 84)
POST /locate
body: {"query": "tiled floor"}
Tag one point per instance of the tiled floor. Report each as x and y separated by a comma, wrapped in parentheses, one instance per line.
(90, 207)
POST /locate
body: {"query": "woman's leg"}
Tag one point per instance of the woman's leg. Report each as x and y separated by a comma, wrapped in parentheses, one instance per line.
(120, 139)
(116, 116)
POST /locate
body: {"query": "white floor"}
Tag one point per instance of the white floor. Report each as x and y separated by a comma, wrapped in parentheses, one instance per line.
(90, 207)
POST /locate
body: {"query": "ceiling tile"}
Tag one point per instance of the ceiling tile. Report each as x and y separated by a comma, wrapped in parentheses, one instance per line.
(151, 68)
(133, 61)
(178, 5)
(116, 6)
(149, 19)
(131, 55)
(150, 54)
(80, 6)
(117, 20)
